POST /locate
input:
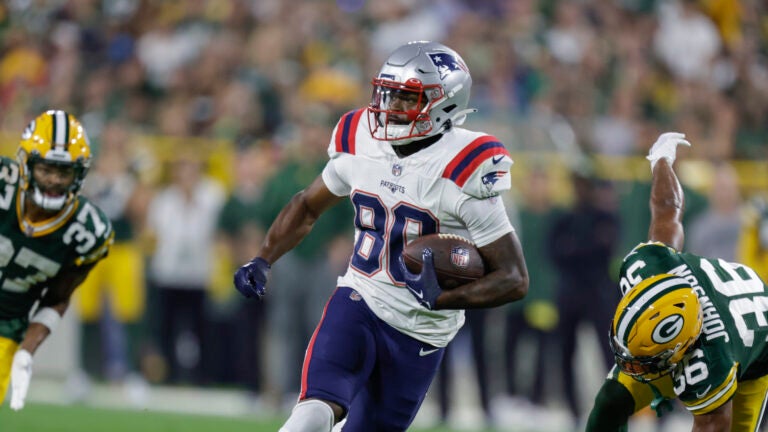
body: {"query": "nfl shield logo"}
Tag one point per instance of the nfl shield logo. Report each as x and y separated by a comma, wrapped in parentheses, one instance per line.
(397, 169)
(460, 256)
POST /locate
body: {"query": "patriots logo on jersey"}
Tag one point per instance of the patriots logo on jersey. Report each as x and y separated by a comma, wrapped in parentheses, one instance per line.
(491, 178)
(460, 256)
(446, 63)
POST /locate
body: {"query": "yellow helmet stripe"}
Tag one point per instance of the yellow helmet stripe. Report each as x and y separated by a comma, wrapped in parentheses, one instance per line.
(640, 303)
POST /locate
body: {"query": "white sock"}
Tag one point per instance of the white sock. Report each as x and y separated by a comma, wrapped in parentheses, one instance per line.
(309, 416)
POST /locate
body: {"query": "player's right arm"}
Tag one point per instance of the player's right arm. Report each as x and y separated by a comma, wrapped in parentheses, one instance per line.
(292, 224)
(296, 219)
(667, 199)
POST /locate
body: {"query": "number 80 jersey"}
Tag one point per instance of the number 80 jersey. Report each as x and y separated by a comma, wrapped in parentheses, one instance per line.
(734, 300)
(448, 187)
(33, 254)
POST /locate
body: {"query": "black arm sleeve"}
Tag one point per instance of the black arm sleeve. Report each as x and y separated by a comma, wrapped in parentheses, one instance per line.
(613, 407)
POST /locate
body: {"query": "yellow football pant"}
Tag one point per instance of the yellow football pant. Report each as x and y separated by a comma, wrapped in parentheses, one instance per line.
(120, 276)
(748, 401)
(8, 348)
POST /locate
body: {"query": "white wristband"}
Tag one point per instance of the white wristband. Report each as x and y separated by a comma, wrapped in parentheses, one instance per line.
(48, 317)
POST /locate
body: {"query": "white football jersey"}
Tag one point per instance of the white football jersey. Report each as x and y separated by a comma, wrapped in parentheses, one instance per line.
(451, 186)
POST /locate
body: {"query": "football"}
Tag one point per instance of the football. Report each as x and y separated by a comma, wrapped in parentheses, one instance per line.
(457, 260)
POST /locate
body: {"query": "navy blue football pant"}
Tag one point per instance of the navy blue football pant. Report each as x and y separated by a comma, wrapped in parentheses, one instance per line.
(377, 374)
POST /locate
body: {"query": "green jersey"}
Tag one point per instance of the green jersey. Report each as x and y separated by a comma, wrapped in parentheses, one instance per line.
(32, 254)
(732, 346)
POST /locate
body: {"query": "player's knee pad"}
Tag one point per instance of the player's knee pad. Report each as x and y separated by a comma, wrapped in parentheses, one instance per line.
(310, 416)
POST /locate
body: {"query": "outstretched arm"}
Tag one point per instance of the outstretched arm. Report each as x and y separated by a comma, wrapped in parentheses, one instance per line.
(292, 224)
(667, 200)
(667, 204)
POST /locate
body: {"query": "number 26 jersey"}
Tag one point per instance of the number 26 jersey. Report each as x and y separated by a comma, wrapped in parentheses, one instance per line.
(734, 300)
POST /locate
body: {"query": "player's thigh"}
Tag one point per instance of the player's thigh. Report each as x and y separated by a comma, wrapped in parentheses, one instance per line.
(126, 282)
(341, 352)
(403, 373)
(8, 348)
(749, 404)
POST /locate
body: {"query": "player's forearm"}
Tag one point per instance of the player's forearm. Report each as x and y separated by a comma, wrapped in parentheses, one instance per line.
(38, 331)
(35, 335)
(667, 204)
(666, 191)
(293, 223)
(494, 289)
(506, 281)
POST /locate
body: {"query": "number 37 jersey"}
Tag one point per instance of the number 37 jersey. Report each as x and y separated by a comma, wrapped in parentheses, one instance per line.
(734, 302)
(34, 254)
(448, 187)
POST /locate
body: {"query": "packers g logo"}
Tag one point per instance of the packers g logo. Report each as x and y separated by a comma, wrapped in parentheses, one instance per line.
(668, 329)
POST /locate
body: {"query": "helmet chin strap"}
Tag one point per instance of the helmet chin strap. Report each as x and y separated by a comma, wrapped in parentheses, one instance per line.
(457, 119)
(47, 202)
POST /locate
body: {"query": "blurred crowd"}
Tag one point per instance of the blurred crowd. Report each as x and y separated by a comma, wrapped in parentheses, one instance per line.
(206, 116)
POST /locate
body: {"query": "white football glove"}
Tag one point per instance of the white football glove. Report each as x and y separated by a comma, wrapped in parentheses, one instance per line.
(21, 373)
(666, 147)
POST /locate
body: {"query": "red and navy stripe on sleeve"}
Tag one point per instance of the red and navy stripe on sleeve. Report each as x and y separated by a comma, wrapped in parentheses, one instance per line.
(478, 151)
(345, 132)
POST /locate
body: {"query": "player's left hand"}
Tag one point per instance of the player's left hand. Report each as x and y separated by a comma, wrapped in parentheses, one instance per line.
(424, 285)
(251, 278)
(21, 374)
(666, 147)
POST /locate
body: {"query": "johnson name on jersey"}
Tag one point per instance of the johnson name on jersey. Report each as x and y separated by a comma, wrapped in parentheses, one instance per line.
(734, 302)
(449, 187)
(31, 254)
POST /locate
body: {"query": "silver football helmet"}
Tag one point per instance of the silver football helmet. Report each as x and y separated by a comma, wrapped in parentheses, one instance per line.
(422, 90)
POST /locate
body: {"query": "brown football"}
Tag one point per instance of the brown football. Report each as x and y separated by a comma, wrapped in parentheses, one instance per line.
(457, 260)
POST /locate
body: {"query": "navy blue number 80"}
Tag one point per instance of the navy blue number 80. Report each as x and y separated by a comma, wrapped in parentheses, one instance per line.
(378, 232)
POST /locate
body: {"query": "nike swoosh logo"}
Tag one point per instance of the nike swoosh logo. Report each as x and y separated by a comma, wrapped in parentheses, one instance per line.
(496, 159)
(423, 352)
(419, 294)
(704, 393)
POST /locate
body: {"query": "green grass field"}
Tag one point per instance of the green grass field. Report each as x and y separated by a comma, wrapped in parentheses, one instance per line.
(53, 418)
(77, 418)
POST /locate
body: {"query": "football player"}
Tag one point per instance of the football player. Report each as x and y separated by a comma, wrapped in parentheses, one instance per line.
(408, 170)
(688, 327)
(50, 238)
